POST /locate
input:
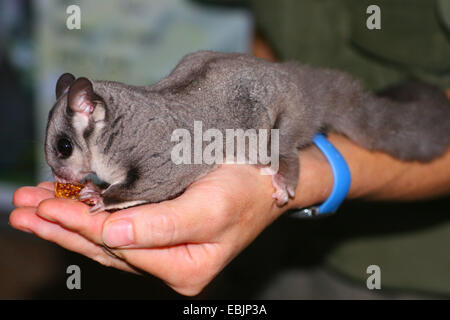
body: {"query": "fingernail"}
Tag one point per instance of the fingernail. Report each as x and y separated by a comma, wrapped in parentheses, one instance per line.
(118, 234)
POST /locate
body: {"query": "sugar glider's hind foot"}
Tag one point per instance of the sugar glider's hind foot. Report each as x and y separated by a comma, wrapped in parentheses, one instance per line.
(282, 190)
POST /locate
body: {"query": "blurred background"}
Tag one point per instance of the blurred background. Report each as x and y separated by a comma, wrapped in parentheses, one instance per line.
(139, 42)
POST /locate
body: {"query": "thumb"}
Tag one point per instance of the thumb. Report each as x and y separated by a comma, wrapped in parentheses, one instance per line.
(157, 225)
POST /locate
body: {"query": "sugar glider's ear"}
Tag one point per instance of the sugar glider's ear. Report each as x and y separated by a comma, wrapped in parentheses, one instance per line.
(82, 98)
(63, 84)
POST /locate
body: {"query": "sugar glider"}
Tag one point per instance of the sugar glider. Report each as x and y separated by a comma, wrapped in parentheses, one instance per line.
(122, 133)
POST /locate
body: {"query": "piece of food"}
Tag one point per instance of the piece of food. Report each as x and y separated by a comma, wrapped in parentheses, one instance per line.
(68, 190)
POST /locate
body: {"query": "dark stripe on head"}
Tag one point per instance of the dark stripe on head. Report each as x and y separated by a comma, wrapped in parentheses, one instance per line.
(116, 121)
(110, 141)
(88, 131)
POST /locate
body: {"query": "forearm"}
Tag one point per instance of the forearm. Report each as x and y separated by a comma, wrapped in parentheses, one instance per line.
(375, 176)
(378, 176)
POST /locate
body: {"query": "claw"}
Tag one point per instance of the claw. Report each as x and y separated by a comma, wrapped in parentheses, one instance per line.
(291, 192)
(87, 196)
(97, 208)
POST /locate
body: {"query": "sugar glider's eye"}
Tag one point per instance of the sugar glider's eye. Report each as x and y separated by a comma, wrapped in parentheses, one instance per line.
(64, 147)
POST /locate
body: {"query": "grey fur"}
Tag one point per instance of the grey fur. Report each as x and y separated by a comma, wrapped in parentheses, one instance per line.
(228, 90)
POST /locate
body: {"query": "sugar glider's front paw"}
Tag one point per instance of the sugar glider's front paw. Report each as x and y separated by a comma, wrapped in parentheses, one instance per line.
(91, 195)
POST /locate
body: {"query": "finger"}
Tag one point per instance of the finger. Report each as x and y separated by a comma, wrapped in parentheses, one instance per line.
(25, 219)
(189, 218)
(47, 185)
(30, 196)
(74, 215)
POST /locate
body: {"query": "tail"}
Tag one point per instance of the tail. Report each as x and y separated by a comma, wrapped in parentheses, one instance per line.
(410, 121)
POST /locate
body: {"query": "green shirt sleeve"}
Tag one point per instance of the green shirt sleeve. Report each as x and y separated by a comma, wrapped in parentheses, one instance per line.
(413, 40)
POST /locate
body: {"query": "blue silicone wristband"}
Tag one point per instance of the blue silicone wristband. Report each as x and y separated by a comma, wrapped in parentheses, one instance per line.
(342, 180)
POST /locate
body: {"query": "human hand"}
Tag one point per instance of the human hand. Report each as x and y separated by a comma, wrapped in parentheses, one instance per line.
(186, 241)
